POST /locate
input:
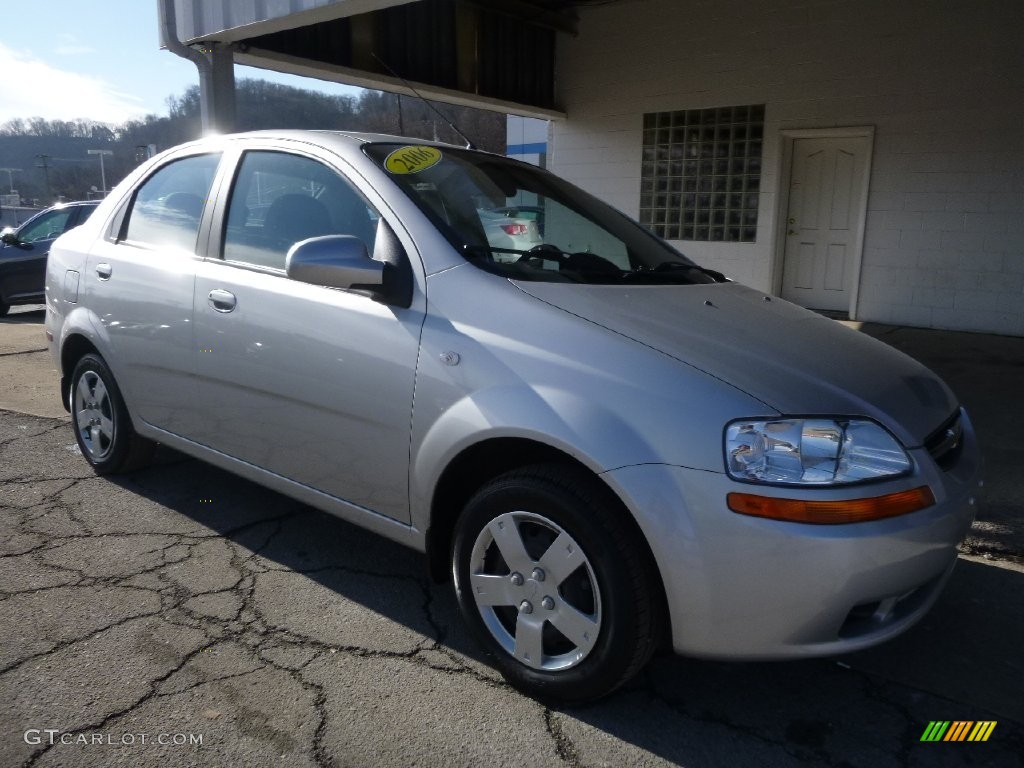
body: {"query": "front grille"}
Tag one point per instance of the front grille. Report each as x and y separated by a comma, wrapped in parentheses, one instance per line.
(944, 443)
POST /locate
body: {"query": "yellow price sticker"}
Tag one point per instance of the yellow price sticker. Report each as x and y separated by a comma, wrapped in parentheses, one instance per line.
(412, 159)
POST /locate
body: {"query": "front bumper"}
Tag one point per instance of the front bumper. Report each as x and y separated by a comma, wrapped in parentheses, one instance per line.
(741, 587)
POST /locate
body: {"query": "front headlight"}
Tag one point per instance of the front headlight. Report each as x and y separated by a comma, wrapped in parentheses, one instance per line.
(812, 451)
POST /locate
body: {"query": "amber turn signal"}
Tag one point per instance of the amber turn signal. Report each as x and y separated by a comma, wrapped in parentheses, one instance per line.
(832, 512)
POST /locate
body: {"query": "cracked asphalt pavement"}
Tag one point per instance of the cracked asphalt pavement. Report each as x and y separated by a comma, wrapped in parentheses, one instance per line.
(141, 612)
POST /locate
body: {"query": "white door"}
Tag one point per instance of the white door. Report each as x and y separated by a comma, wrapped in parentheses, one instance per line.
(825, 221)
(140, 288)
(310, 383)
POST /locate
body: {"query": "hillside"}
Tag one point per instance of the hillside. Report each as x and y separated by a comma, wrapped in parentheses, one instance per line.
(27, 144)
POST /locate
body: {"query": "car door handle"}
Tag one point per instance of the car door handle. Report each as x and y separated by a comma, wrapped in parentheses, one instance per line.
(221, 300)
(104, 271)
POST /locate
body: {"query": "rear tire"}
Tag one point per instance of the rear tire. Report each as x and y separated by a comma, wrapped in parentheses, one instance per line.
(102, 424)
(555, 583)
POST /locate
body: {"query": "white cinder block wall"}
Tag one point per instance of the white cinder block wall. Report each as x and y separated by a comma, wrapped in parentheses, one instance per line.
(941, 82)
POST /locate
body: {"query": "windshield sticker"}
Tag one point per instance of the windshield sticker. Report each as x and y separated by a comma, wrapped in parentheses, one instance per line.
(412, 159)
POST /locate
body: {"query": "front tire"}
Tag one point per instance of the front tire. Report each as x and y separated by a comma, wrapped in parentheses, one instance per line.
(103, 427)
(555, 583)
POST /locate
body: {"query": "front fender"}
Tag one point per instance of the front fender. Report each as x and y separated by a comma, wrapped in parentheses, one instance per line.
(557, 418)
(496, 363)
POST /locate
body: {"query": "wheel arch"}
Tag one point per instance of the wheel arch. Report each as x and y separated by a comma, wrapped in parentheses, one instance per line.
(482, 462)
(74, 347)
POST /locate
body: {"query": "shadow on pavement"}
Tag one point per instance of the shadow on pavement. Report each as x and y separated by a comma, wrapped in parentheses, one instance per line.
(21, 315)
(962, 662)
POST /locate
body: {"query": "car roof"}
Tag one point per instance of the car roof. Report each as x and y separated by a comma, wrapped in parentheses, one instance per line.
(72, 203)
(343, 142)
(360, 137)
(58, 207)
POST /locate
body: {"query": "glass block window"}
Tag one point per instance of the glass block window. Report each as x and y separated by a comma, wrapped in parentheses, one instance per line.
(701, 173)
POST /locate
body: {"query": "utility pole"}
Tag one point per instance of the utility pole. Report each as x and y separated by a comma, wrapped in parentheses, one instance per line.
(44, 163)
(10, 176)
(103, 173)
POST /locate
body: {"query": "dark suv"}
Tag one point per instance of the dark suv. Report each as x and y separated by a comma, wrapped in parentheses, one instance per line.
(23, 251)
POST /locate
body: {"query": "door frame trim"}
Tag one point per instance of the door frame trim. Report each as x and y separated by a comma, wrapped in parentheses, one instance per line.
(788, 137)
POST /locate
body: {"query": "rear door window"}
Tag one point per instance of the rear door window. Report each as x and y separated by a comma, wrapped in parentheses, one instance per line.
(169, 206)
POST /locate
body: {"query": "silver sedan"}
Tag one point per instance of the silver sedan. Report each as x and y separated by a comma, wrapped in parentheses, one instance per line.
(605, 446)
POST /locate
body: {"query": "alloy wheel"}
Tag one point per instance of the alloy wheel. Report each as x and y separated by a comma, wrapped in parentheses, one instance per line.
(536, 591)
(94, 415)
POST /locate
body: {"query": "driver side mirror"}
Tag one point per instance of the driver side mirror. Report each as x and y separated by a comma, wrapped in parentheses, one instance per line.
(8, 237)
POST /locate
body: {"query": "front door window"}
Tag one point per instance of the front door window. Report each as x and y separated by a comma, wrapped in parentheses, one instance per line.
(281, 199)
(47, 227)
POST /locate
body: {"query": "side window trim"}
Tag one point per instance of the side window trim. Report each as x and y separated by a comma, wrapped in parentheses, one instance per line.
(115, 230)
(211, 231)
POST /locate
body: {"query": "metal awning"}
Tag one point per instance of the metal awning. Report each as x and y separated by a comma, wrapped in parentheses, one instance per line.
(496, 55)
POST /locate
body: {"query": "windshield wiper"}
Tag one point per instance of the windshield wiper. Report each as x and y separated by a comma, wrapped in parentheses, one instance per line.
(483, 251)
(674, 272)
(672, 266)
(541, 251)
(520, 268)
(591, 268)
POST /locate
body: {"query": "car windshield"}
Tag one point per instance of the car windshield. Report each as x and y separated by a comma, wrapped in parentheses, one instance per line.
(524, 223)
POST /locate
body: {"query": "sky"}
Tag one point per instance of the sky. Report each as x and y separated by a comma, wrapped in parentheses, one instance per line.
(101, 60)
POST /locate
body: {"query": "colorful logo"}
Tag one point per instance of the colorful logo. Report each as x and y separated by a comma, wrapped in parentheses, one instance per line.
(958, 730)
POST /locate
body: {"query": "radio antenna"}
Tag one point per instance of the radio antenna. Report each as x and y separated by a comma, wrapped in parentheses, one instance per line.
(435, 110)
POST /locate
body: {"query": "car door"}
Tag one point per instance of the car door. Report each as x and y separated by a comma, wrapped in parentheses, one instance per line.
(36, 273)
(24, 268)
(139, 284)
(311, 383)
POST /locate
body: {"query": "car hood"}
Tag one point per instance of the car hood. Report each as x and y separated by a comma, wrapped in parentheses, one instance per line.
(793, 360)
